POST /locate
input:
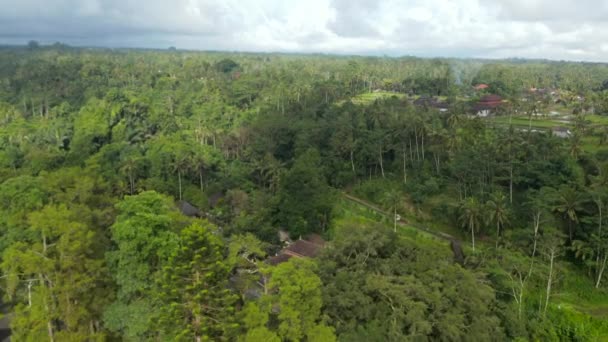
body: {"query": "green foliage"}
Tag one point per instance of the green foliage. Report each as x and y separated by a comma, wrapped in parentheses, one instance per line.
(145, 236)
(195, 301)
(91, 128)
(226, 65)
(56, 278)
(404, 296)
(277, 136)
(304, 198)
(294, 303)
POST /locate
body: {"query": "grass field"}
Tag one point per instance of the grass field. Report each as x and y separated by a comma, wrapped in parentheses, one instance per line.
(547, 122)
(590, 143)
(368, 98)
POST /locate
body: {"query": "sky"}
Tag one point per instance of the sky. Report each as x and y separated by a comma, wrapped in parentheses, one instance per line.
(552, 29)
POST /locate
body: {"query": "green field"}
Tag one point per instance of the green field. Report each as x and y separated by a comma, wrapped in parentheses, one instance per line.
(368, 98)
(590, 143)
(547, 122)
(520, 121)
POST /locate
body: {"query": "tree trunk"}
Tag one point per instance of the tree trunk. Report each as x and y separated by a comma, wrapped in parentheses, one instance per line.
(381, 166)
(179, 181)
(473, 236)
(422, 139)
(49, 328)
(497, 233)
(518, 294)
(352, 161)
(411, 153)
(131, 182)
(536, 228)
(436, 158)
(549, 280)
(417, 149)
(601, 271)
(404, 167)
(29, 293)
(200, 179)
(511, 184)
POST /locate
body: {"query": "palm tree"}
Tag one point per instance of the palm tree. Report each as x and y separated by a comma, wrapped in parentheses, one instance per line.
(498, 212)
(391, 200)
(269, 171)
(576, 147)
(129, 167)
(180, 164)
(568, 202)
(598, 191)
(199, 163)
(454, 120)
(470, 217)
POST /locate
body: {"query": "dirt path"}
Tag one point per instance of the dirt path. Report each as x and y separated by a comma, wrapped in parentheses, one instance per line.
(371, 206)
(455, 244)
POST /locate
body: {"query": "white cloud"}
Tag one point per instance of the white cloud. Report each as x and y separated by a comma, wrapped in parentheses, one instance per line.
(557, 29)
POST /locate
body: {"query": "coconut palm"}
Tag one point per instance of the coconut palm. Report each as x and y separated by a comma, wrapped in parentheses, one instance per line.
(498, 212)
(181, 163)
(568, 202)
(129, 167)
(470, 217)
(200, 164)
(576, 145)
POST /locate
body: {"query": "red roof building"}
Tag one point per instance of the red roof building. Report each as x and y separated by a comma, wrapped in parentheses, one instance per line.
(487, 104)
(308, 248)
(491, 101)
(481, 86)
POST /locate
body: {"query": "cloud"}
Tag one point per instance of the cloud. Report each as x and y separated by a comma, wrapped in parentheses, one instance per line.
(557, 29)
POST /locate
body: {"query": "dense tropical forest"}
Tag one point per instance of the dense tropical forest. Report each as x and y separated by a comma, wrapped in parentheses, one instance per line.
(151, 195)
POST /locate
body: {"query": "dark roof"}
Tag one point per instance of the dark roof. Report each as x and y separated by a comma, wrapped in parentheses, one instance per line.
(488, 102)
(308, 248)
(430, 102)
(303, 248)
(277, 259)
(316, 239)
(491, 98)
(188, 209)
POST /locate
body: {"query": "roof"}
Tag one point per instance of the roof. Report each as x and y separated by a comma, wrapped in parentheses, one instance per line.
(303, 248)
(309, 248)
(316, 239)
(488, 102)
(279, 258)
(491, 98)
(430, 102)
(481, 86)
(188, 209)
